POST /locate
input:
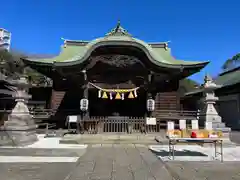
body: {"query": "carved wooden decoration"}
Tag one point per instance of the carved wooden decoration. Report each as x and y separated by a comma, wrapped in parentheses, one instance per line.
(115, 60)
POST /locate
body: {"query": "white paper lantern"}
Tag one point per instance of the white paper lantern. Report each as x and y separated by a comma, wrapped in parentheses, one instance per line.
(84, 104)
(150, 105)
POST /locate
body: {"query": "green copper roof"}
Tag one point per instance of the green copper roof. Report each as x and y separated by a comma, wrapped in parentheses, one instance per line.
(229, 78)
(74, 52)
(225, 79)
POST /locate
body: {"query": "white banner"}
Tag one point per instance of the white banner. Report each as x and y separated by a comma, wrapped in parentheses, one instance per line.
(151, 121)
(170, 125)
(208, 126)
(72, 119)
(182, 124)
(195, 124)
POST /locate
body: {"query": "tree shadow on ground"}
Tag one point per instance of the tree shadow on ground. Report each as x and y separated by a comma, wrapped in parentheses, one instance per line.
(184, 152)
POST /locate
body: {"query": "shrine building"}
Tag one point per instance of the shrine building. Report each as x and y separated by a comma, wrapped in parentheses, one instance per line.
(115, 75)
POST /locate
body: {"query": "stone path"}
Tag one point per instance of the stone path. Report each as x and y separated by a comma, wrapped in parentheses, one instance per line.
(20, 170)
(112, 162)
(204, 170)
(196, 153)
(119, 162)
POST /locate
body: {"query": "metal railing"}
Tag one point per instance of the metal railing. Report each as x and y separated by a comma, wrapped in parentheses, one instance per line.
(41, 113)
(48, 126)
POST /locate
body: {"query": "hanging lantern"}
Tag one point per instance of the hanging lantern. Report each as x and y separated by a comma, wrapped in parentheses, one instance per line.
(84, 104)
(117, 96)
(150, 105)
(122, 96)
(135, 93)
(99, 94)
(111, 97)
(104, 96)
(130, 95)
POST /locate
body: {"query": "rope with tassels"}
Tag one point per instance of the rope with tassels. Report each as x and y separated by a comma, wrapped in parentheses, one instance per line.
(102, 93)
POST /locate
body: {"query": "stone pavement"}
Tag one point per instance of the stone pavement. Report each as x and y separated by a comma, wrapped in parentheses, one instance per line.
(112, 162)
(41, 170)
(119, 162)
(196, 153)
(204, 170)
(105, 162)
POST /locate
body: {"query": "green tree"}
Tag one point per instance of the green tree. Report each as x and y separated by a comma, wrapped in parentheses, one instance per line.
(12, 66)
(232, 62)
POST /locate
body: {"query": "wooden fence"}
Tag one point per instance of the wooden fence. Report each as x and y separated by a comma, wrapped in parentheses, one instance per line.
(118, 124)
(101, 124)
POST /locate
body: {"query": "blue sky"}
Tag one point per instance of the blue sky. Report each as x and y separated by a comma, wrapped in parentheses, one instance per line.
(198, 29)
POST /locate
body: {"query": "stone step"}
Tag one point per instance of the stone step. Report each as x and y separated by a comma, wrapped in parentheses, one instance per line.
(109, 139)
(107, 142)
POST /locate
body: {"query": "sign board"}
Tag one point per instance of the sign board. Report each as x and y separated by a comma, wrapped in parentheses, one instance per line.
(170, 125)
(194, 124)
(151, 121)
(208, 126)
(182, 124)
(72, 119)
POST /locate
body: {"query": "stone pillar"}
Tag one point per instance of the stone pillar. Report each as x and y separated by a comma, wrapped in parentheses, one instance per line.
(20, 125)
(209, 113)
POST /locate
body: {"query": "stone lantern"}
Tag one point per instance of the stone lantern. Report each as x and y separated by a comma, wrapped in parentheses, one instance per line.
(209, 113)
(20, 125)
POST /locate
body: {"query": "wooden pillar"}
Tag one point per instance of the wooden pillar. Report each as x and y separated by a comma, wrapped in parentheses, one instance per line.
(149, 95)
(85, 114)
(149, 92)
(85, 93)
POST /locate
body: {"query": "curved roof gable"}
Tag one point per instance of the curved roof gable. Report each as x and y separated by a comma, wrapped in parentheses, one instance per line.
(74, 52)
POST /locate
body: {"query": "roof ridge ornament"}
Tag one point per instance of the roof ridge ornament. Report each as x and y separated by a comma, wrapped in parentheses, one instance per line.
(118, 31)
(64, 42)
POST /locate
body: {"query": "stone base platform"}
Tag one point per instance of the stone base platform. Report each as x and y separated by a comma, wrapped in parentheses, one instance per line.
(111, 139)
(106, 138)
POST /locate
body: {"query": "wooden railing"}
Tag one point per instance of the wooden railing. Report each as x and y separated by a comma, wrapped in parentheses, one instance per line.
(98, 124)
(101, 124)
(172, 114)
(160, 113)
(115, 124)
(37, 114)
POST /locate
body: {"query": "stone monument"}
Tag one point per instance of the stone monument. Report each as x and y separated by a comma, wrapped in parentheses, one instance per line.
(20, 126)
(209, 113)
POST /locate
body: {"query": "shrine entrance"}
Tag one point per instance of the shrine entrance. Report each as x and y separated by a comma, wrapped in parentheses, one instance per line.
(115, 113)
(130, 107)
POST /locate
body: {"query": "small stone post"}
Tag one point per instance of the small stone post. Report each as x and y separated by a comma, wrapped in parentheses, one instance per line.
(209, 113)
(20, 125)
